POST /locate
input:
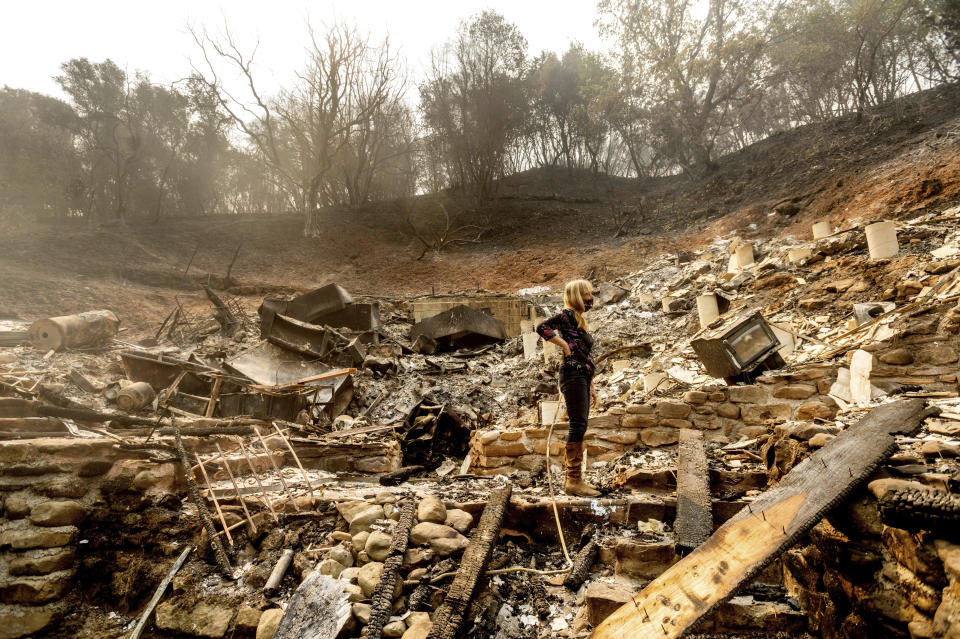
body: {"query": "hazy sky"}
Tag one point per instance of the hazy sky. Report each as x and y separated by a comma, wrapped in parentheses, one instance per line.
(37, 36)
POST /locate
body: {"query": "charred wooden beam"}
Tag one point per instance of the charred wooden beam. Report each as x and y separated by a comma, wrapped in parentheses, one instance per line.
(152, 604)
(539, 597)
(936, 511)
(17, 407)
(582, 563)
(87, 415)
(694, 522)
(422, 596)
(449, 617)
(382, 599)
(224, 316)
(585, 555)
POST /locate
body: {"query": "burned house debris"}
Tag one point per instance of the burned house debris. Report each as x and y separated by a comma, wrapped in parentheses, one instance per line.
(461, 326)
(776, 441)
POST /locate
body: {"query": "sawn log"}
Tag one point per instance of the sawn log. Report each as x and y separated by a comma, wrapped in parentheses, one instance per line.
(673, 602)
(92, 328)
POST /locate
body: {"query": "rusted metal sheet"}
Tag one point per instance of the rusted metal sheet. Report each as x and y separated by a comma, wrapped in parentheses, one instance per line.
(269, 365)
(510, 310)
(357, 317)
(329, 305)
(235, 404)
(310, 306)
(300, 337)
(160, 371)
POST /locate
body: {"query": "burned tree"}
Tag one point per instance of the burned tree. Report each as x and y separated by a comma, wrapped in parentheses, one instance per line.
(328, 140)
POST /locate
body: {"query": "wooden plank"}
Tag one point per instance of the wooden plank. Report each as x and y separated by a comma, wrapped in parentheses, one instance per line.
(212, 404)
(13, 338)
(742, 547)
(694, 522)
(318, 609)
(450, 614)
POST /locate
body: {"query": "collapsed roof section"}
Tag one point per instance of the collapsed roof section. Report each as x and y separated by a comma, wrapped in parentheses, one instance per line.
(329, 305)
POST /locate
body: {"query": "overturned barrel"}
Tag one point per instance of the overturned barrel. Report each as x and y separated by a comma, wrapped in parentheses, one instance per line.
(135, 396)
(73, 331)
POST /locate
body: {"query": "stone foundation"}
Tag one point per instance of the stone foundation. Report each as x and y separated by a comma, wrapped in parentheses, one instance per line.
(724, 414)
(55, 493)
(924, 352)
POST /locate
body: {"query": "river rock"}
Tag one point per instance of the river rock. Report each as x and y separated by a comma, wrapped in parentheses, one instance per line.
(378, 546)
(362, 612)
(459, 520)
(431, 509)
(330, 567)
(203, 620)
(269, 621)
(341, 555)
(369, 577)
(425, 532)
(444, 546)
(359, 541)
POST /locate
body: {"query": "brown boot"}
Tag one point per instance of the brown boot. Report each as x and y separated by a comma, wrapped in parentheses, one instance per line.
(574, 484)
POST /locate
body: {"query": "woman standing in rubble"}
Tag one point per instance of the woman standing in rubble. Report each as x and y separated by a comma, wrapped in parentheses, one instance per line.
(569, 331)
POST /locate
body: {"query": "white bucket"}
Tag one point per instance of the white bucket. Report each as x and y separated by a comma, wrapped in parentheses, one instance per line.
(797, 254)
(882, 240)
(745, 255)
(707, 309)
(821, 230)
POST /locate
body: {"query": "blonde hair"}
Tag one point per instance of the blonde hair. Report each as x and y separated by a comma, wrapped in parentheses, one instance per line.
(573, 294)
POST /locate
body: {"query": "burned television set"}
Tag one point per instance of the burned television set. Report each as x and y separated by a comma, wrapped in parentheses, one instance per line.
(740, 349)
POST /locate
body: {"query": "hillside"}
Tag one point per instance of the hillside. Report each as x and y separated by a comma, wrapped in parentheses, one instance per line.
(549, 225)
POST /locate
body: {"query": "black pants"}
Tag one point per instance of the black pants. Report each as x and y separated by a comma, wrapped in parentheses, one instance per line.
(575, 387)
